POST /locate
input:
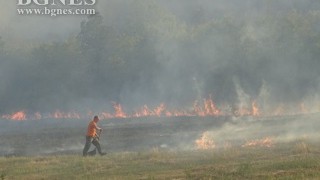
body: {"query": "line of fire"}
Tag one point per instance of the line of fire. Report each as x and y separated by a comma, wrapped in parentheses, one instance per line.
(205, 108)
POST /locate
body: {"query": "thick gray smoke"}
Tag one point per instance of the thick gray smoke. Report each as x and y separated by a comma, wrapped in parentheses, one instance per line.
(153, 51)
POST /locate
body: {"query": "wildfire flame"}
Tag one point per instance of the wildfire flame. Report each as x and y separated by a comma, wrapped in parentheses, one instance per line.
(119, 113)
(205, 142)
(255, 109)
(265, 142)
(209, 108)
(64, 115)
(249, 111)
(204, 108)
(145, 111)
(18, 116)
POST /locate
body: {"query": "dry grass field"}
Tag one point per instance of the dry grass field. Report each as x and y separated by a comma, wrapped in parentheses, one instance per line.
(297, 160)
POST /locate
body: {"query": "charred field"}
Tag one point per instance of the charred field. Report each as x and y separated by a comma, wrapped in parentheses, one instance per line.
(164, 148)
(67, 136)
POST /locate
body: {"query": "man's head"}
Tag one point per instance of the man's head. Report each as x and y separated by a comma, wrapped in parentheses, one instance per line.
(95, 118)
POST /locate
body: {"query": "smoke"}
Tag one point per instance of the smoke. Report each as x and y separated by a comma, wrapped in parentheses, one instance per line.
(279, 131)
(149, 52)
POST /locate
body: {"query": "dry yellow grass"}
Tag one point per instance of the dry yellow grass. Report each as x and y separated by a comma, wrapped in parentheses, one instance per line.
(287, 161)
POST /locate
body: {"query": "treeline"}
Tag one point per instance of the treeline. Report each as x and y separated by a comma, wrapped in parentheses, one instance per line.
(143, 53)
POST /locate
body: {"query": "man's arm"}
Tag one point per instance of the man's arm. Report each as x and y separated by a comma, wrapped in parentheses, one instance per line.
(98, 128)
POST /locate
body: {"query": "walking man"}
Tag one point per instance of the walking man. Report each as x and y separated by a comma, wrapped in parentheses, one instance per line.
(92, 137)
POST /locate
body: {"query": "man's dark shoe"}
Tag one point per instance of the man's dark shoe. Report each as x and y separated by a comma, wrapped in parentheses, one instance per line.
(102, 154)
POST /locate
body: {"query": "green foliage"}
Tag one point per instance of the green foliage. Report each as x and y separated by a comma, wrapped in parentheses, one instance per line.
(2, 176)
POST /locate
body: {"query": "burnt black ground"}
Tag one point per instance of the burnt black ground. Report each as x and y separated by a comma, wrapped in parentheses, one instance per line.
(67, 136)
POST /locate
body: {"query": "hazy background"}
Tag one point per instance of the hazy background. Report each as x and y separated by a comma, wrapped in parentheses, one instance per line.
(138, 52)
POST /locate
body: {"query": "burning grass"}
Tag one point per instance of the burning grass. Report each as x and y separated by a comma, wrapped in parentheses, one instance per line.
(205, 108)
(286, 161)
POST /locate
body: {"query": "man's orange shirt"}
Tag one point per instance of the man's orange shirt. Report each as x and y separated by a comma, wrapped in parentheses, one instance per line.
(92, 128)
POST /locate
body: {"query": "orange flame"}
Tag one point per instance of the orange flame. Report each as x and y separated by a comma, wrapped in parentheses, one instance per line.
(205, 142)
(255, 109)
(159, 110)
(250, 111)
(18, 116)
(210, 109)
(119, 113)
(63, 115)
(205, 108)
(265, 142)
(144, 111)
